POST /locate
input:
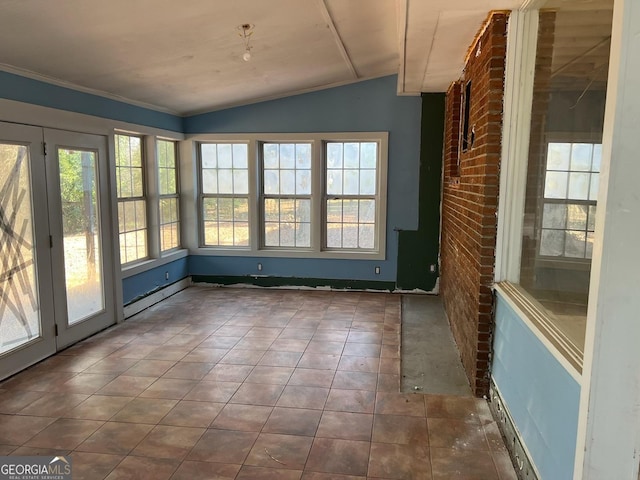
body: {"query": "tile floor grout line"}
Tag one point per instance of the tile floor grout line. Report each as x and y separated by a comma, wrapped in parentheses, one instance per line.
(319, 332)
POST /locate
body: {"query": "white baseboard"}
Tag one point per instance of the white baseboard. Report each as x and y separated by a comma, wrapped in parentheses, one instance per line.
(144, 303)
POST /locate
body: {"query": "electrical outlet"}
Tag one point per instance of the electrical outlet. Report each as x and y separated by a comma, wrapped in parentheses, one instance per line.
(166, 275)
(377, 270)
(259, 267)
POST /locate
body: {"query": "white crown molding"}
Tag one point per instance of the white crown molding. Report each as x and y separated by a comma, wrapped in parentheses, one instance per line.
(79, 88)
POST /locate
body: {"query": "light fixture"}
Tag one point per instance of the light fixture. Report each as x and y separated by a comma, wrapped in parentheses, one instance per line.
(245, 31)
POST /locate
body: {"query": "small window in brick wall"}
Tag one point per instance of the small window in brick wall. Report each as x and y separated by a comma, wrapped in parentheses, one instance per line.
(467, 132)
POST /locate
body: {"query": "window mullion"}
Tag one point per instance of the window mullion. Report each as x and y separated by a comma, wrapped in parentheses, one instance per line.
(151, 189)
(318, 210)
(255, 209)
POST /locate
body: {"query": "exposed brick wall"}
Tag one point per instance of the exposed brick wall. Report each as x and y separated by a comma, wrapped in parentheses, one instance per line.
(452, 130)
(470, 198)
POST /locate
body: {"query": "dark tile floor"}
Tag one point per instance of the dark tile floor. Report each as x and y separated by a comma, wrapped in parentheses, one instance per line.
(248, 384)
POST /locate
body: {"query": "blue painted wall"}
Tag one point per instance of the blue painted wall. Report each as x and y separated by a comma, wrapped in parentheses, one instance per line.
(142, 284)
(541, 396)
(289, 267)
(362, 107)
(22, 89)
(27, 90)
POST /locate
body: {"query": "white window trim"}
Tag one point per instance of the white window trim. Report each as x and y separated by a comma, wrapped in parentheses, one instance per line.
(326, 196)
(160, 196)
(262, 195)
(533, 316)
(155, 257)
(148, 178)
(522, 40)
(190, 209)
(250, 196)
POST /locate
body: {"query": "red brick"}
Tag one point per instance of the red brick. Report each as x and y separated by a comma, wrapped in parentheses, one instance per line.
(469, 208)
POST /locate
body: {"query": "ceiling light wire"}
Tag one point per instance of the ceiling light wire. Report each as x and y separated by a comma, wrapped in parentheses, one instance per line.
(245, 32)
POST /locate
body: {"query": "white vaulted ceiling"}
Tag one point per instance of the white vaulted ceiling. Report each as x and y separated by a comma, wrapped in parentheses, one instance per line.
(186, 57)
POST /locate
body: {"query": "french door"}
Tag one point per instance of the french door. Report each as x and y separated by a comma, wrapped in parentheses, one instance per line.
(56, 268)
(27, 326)
(81, 241)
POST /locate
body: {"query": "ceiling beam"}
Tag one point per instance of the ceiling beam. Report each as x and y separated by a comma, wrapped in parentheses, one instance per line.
(426, 65)
(604, 42)
(336, 36)
(532, 4)
(401, 22)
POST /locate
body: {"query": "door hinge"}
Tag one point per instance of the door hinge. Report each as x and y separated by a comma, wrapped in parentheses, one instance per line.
(44, 148)
(50, 241)
(56, 329)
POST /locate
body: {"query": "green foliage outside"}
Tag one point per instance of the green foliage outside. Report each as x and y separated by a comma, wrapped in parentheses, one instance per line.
(77, 176)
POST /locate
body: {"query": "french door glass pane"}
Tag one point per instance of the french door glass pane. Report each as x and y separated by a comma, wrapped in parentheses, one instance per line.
(81, 234)
(19, 309)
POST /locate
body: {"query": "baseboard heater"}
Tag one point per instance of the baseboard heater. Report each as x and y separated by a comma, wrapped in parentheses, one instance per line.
(519, 456)
(147, 301)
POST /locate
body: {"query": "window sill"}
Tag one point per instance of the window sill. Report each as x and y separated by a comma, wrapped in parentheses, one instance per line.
(542, 325)
(563, 263)
(148, 264)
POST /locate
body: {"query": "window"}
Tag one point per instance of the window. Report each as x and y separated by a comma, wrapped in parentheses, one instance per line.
(351, 195)
(225, 194)
(466, 109)
(570, 193)
(132, 204)
(286, 194)
(168, 195)
(549, 225)
(297, 195)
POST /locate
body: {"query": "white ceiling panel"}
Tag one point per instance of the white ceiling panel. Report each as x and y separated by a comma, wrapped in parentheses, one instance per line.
(186, 57)
(418, 47)
(447, 57)
(368, 31)
(437, 36)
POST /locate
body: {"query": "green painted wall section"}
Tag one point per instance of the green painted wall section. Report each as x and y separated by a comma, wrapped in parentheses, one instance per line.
(418, 250)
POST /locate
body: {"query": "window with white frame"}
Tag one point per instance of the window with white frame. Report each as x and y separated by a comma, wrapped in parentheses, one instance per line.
(351, 195)
(314, 195)
(286, 194)
(570, 194)
(225, 194)
(132, 202)
(168, 197)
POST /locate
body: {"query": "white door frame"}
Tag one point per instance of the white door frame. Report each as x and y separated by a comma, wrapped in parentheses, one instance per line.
(55, 139)
(45, 344)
